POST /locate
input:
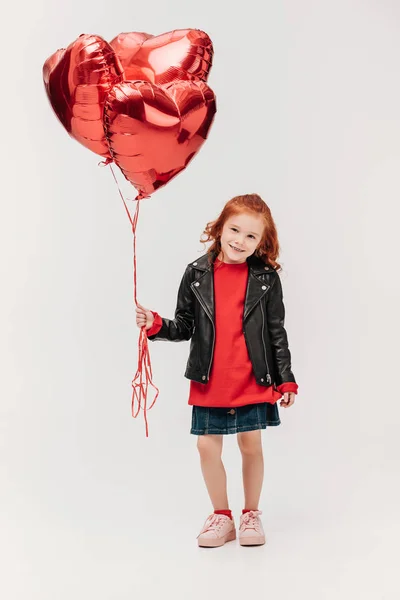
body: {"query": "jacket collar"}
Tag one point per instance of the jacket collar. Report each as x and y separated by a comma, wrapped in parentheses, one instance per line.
(203, 286)
(256, 265)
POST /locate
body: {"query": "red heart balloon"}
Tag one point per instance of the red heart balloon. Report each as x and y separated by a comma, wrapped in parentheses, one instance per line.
(152, 127)
(153, 132)
(174, 56)
(77, 81)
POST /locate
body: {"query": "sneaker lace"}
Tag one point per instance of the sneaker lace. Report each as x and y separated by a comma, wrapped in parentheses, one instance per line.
(250, 520)
(214, 523)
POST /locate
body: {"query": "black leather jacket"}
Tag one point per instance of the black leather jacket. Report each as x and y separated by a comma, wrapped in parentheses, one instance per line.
(263, 322)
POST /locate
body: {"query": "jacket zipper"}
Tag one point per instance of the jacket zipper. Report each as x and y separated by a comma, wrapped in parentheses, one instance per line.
(212, 351)
(265, 350)
(212, 354)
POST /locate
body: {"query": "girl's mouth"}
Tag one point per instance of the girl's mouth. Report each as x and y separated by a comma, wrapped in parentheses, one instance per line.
(236, 249)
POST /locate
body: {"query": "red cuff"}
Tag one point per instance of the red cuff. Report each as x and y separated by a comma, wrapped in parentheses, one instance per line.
(157, 324)
(290, 386)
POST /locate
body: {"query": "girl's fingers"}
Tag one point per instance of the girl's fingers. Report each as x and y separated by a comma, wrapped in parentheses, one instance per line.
(288, 399)
(142, 310)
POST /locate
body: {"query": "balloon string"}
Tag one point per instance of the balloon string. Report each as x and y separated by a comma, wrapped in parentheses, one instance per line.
(140, 389)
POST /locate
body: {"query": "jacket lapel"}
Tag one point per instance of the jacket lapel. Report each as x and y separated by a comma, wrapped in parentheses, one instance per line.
(203, 286)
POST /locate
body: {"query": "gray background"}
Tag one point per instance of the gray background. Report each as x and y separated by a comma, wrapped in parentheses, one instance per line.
(308, 116)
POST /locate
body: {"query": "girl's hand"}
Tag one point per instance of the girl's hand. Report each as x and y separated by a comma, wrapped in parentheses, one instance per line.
(144, 317)
(288, 399)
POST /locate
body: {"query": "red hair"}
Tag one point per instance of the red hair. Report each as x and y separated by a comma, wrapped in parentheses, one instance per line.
(267, 250)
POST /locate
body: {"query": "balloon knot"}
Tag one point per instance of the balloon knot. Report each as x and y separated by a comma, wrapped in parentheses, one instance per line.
(142, 196)
(104, 163)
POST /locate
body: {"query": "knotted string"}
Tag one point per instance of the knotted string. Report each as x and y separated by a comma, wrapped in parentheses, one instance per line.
(139, 388)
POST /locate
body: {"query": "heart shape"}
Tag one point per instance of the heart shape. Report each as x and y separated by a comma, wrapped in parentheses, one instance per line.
(154, 132)
(140, 101)
(174, 56)
(77, 81)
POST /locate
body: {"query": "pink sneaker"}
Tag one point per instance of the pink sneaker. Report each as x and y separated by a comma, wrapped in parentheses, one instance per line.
(251, 532)
(217, 530)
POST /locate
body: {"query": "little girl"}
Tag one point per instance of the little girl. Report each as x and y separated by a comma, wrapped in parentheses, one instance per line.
(230, 306)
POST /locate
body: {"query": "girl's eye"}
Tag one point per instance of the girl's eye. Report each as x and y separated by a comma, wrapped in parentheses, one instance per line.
(250, 235)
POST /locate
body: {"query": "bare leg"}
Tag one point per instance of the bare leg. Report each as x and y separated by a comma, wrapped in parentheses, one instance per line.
(252, 466)
(210, 449)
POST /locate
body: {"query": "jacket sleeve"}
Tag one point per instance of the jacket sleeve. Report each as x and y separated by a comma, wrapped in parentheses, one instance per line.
(182, 326)
(277, 333)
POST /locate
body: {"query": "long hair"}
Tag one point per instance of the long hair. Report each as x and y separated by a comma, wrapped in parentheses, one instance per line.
(267, 250)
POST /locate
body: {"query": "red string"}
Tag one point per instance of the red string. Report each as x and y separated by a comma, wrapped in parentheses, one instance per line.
(140, 388)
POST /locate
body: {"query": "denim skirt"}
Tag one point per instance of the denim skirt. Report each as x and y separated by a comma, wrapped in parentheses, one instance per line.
(233, 420)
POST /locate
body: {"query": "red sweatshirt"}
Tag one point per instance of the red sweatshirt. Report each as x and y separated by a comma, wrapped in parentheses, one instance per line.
(232, 381)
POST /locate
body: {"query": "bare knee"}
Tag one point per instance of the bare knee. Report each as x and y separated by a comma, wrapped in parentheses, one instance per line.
(209, 446)
(250, 443)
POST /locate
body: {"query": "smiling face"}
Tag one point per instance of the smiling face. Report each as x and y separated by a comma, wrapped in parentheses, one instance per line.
(241, 235)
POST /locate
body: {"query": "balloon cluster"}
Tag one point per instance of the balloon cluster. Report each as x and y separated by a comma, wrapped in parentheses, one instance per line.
(140, 101)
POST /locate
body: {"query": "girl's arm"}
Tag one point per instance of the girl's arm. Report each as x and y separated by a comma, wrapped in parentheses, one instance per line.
(182, 326)
(277, 333)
